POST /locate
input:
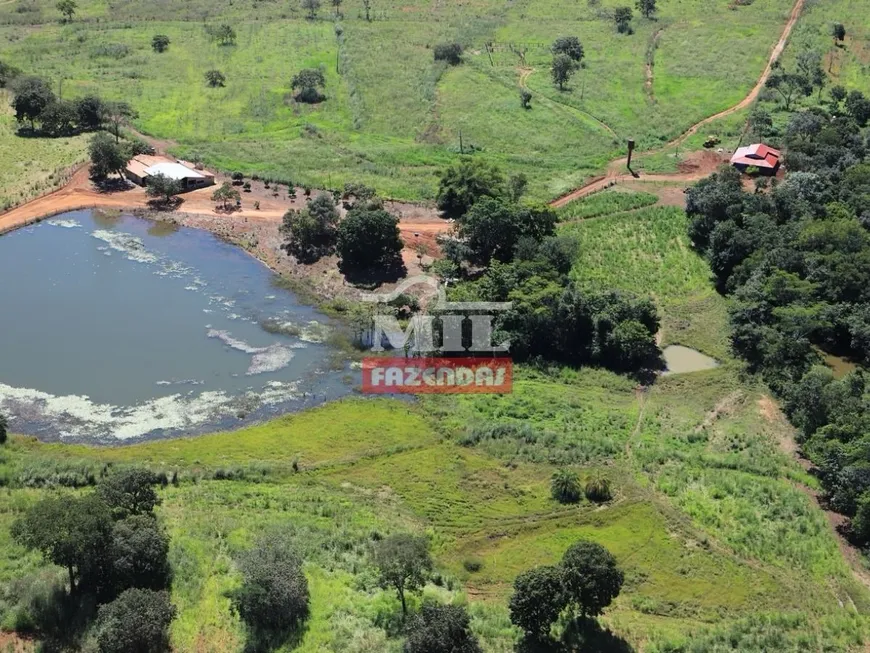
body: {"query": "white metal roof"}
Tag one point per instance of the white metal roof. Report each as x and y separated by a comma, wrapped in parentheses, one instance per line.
(173, 170)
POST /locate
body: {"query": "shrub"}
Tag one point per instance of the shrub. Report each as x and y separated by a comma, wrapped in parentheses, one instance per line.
(449, 52)
(215, 78)
(565, 486)
(472, 565)
(598, 490)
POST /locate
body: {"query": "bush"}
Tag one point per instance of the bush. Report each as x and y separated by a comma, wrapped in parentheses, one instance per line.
(472, 565)
(449, 52)
(215, 78)
(598, 490)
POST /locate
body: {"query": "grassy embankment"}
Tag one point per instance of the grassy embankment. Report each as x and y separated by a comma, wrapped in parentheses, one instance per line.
(706, 519)
(393, 115)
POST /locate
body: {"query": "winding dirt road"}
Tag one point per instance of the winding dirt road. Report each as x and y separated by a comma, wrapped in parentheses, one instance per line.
(614, 174)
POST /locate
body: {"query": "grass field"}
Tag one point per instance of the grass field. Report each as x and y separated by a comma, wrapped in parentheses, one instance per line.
(393, 120)
(32, 166)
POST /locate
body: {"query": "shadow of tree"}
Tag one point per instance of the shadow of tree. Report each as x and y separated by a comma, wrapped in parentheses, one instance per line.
(581, 635)
(262, 640)
(60, 619)
(374, 276)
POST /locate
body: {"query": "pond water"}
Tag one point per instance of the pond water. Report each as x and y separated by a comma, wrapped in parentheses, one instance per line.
(120, 328)
(680, 360)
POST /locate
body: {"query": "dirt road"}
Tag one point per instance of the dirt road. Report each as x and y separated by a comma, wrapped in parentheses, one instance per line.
(614, 172)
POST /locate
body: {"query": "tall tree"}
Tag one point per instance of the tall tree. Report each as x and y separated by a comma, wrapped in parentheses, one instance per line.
(116, 115)
(225, 194)
(592, 578)
(311, 233)
(562, 68)
(67, 8)
(140, 553)
(465, 182)
(312, 7)
(367, 5)
(163, 188)
(369, 241)
(308, 82)
(441, 629)
(160, 43)
(135, 622)
(538, 600)
(646, 7)
(788, 85)
(107, 156)
(622, 17)
(129, 491)
(569, 45)
(402, 562)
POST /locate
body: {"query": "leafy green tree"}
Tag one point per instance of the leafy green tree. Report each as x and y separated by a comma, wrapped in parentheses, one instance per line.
(59, 118)
(311, 232)
(129, 491)
(312, 7)
(367, 5)
(163, 188)
(215, 78)
(622, 17)
(31, 96)
(538, 600)
(403, 563)
(226, 195)
(135, 622)
(760, 122)
(591, 577)
(449, 52)
(516, 186)
(465, 182)
(308, 82)
(492, 228)
(4, 428)
(336, 6)
(526, 98)
(67, 8)
(646, 7)
(562, 68)
(224, 34)
(369, 240)
(788, 85)
(273, 597)
(160, 43)
(107, 156)
(8, 73)
(568, 45)
(809, 65)
(598, 489)
(565, 486)
(89, 112)
(838, 32)
(441, 629)
(140, 553)
(71, 532)
(858, 106)
(838, 94)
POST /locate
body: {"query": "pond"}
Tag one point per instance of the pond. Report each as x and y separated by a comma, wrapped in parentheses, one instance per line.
(119, 328)
(680, 360)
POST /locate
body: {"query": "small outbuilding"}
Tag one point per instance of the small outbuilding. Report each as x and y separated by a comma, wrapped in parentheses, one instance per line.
(759, 156)
(145, 165)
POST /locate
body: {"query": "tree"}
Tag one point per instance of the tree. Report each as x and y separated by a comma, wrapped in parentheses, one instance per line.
(215, 78)
(449, 52)
(760, 122)
(225, 194)
(788, 85)
(308, 83)
(465, 182)
(441, 629)
(538, 600)
(838, 94)
(861, 520)
(526, 98)
(90, 112)
(163, 188)
(858, 106)
(312, 7)
(107, 156)
(71, 532)
(160, 43)
(32, 96)
(8, 73)
(118, 114)
(646, 7)
(129, 491)
(598, 489)
(562, 68)
(224, 34)
(336, 5)
(809, 65)
(367, 5)
(568, 45)
(140, 553)
(59, 118)
(838, 32)
(135, 622)
(369, 240)
(67, 8)
(591, 577)
(4, 428)
(492, 228)
(622, 17)
(273, 596)
(311, 232)
(516, 186)
(565, 486)
(402, 562)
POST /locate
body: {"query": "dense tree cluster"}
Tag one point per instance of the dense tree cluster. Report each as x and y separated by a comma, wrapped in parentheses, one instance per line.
(527, 264)
(797, 261)
(115, 554)
(586, 581)
(441, 629)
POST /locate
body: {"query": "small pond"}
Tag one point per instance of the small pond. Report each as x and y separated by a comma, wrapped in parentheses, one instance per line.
(119, 328)
(680, 360)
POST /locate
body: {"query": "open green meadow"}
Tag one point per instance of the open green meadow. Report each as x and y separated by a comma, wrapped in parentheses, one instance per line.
(393, 115)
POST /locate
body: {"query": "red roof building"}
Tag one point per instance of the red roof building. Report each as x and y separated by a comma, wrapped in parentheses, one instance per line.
(759, 155)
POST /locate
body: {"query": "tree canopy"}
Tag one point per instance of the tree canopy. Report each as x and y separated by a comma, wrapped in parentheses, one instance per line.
(369, 242)
(129, 491)
(465, 182)
(308, 82)
(591, 577)
(441, 629)
(403, 563)
(570, 46)
(135, 622)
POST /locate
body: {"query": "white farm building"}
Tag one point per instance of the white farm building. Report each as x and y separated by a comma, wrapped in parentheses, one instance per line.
(144, 165)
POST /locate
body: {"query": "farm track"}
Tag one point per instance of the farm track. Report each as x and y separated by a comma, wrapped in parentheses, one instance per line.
(614, 176)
